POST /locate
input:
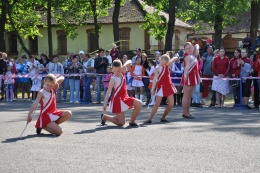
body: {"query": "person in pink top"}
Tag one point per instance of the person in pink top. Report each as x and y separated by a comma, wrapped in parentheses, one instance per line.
(107, 78)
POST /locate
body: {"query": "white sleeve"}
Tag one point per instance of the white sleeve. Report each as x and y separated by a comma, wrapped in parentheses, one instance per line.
(92, 63)
(151, 71)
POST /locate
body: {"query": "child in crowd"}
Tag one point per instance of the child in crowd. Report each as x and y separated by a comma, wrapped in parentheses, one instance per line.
(24, 81)
(56, 68)
(164, 88)
(49, 118)
(129, 80)
(120, 101)
(152, 65)
(36, 85)
(137, 71)
(9, 83)
(107, 79)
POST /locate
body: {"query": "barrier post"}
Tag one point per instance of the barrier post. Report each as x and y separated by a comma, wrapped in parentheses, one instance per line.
(240, 105)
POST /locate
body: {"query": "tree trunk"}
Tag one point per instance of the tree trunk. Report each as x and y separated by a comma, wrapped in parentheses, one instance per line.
(170, 29)
(255, 12)
(115, 22)
(2, 27)
(17, 33)
(218, 26)
(49, 29)
(94, 10)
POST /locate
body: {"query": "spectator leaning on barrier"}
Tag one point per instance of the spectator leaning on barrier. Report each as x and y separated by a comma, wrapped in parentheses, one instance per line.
(74, 81)
(234, 71)
(25, 82)
(246, 71)
(101, 63)
(256, 65)
(44, 63)
(56, 68)
(207, 58)
(109, 58)
(66, 67)
(33, 65)
(88, 67)
(220, 68)
(138, 55)
(2, 71)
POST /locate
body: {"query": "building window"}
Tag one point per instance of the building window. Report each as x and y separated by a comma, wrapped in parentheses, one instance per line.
(13, 43)
(33, 45)
(91, 41)
(124, 36)
(62, 42)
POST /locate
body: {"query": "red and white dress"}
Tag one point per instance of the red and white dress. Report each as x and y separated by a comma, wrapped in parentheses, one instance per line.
(193, 77)
(48, 113)
(165, 87)
(120, 101)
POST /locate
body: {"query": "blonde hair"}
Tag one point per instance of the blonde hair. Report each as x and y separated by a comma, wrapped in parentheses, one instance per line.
(144, 54)
(51, 78)
(165, 57)
(187, 44)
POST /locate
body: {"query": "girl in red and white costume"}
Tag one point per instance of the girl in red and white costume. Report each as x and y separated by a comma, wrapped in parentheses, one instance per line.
(120, 101)
(190, 77)
(49, 118)
(164, 88)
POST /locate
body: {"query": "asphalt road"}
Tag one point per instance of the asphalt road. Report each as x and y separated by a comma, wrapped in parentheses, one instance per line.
(217, 140)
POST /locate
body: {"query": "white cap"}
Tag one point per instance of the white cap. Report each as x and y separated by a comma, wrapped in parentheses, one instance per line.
(81, 52)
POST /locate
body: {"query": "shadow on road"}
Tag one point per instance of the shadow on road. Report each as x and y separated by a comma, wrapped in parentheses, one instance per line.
(12, 140)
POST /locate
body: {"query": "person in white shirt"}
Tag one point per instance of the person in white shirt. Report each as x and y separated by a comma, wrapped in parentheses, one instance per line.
(56, 68)
(108, 57)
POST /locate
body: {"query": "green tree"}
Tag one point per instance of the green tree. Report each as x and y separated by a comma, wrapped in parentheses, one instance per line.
(255, 19)
(20, 17)
(115, 21)
(217, 14)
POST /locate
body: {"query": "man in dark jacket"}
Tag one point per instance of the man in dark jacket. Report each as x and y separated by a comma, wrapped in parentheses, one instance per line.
(101, 63)
(2, 71)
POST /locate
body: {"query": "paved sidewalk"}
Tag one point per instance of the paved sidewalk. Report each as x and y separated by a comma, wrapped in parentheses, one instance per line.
(217, 140)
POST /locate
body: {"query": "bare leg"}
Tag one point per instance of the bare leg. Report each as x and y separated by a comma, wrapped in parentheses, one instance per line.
(64, 117)
(23, 89)
(155, 107)
(218, 97)
(53, 128)
(187, 92)
(118, 120)
(169, 107)
(137, 108)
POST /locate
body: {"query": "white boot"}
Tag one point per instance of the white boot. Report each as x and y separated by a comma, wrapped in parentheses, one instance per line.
(152, 100)
(141, 98)
(137, 96)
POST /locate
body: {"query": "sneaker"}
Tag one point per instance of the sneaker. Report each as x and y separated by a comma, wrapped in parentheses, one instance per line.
(102, 122)
(76, 102)
(63, 99)
(33, 101)
(38, 130)
(164, 121)
(71, 101)
(133, 124)
(148, 122)
(203, 101)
